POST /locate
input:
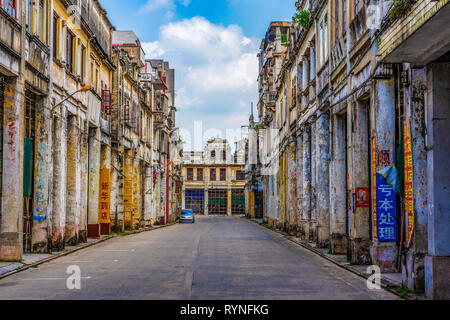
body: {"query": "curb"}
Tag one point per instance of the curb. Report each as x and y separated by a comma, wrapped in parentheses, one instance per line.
(63, 254)
(385, 284)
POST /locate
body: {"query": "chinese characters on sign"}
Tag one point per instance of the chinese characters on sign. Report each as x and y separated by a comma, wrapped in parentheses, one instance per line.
(386, 211)
(104, 203)
(374, 187)
(409, 189)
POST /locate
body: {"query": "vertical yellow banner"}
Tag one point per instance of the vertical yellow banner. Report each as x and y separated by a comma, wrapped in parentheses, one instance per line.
(374, 187)
(409, 188)
(105, 196)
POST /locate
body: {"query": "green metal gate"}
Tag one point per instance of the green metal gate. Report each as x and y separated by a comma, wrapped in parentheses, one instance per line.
(217, 202)
(238, 202)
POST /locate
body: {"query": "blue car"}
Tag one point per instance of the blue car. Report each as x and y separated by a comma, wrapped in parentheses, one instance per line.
(187, 216)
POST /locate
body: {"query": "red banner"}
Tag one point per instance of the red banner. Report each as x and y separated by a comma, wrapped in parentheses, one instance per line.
(374, 187)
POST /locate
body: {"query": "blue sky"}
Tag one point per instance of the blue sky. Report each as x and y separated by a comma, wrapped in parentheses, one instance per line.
(212, 44)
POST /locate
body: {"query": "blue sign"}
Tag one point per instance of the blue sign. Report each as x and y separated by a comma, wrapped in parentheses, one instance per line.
(386, 211)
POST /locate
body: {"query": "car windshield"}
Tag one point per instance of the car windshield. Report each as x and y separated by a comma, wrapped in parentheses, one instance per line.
(187, 212)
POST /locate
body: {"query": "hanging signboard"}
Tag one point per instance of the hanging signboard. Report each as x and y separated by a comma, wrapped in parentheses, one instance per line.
(409, 188)
(386, 211)
(105, 197)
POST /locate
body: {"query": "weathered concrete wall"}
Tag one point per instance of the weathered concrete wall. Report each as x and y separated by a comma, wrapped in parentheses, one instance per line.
(313, 189)
(84, 169)
(104, 212)
(299, 183)
(136, 193)
(148, 179)
(292, 188)
(128, 189)
(12, 188)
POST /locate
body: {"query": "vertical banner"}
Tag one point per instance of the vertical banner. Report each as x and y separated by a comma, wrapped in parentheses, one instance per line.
(409, 188)
(386, 211)
(105, 197)
(374, 187)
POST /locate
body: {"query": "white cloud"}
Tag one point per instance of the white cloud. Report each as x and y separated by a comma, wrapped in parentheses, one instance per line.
(216, 71)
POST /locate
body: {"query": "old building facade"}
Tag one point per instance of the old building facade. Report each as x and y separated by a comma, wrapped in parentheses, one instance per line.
(349, 105)
(78, 141)
(214, 180)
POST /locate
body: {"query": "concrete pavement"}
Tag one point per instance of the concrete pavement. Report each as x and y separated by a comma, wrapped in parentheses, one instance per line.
(216, 258)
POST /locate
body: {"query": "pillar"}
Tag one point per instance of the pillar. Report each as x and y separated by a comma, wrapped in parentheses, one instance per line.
(116, 192)
(437, 262)
(136, 194)
(41, 201)
(229, 212)
(323, 181)
(313, 192)
(299, 212)
(73, 181)
(338, 198)
(128, 190)
(384, 253)
(292, 188)
(306, 173)
(84, 183)
(11, 233)
(206, 202)
(104, 210)
(148, 178)
(94, 179)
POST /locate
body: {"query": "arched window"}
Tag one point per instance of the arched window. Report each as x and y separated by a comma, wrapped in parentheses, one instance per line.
(213, 154)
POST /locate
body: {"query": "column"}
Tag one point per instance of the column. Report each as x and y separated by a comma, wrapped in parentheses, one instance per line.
(116, 194)
(229, 212)
(136, 194)
(148, 195)
(292, 188)
(59, 181)
(437, 262)
(11, 233)
(299, 210)
(206, 201)
(306, 170)
(384, 248)
(128, 189)
(104, 210)
(73, 181)
(323, 181)
(41, 201)
(313, 221)
(94, 179)
(84, 182)
(338, 198)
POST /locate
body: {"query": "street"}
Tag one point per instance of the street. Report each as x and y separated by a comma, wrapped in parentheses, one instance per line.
(216, 258)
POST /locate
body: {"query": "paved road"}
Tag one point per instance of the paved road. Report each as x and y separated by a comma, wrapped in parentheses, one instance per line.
(216, 258)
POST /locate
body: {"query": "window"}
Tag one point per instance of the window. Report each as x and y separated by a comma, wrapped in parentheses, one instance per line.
(106, 102)
(240, 175)
(41, 19)
(83, 63)
(323, 38)
(30, 16)
(199, 174)
(12, 8)
(69, 51)
(55, 37)
(213, 174)
(344, 12)
(213, 154)
(336, 16)
(223, 174)
(190, 174)
(126, 112)
(224, 155)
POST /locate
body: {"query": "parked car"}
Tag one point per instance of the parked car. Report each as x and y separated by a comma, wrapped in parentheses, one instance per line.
(187, 216)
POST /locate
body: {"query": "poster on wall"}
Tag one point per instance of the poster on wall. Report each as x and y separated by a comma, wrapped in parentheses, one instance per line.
(386, 211)
(362, 197)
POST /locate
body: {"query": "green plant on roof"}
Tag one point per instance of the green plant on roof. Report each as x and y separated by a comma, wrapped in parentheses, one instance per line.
(302, 17)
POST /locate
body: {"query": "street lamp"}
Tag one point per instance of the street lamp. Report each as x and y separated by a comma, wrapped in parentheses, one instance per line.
(83, 89)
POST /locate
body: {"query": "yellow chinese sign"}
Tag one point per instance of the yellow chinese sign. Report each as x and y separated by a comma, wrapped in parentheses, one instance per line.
(105, 197)
(374, 187)
(409, 188)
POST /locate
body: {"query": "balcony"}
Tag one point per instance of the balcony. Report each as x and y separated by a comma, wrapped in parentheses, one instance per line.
(338, 53)
(10, 38)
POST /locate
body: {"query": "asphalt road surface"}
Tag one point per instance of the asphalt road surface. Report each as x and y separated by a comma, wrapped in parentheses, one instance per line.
(216, 258)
